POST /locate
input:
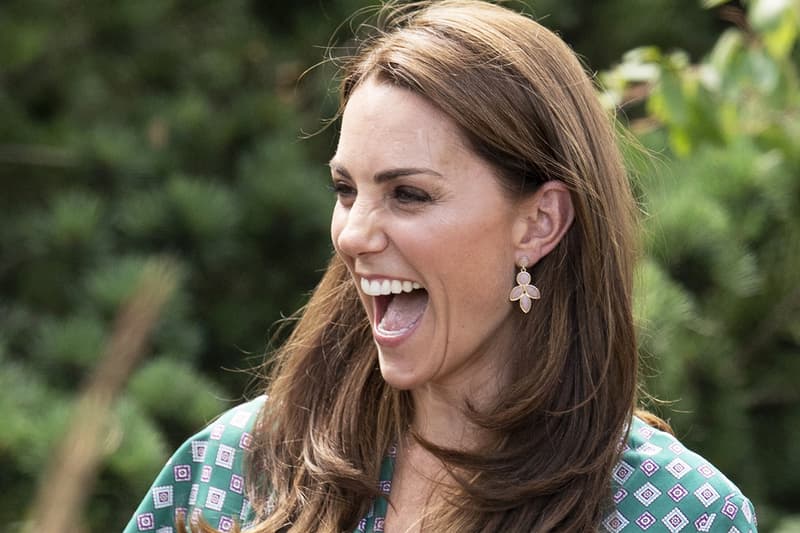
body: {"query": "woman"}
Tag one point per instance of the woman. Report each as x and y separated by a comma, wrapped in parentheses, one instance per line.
(468, 362)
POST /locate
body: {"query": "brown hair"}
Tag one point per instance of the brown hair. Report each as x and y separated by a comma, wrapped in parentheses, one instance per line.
(526, 105)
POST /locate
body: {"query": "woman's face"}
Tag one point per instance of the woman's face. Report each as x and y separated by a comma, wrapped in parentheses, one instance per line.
(426, 232)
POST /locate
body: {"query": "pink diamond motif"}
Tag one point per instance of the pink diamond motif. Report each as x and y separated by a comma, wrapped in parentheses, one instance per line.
(677, 448)
(703, 523)
(215, 498)
(730, 510)
(620, 495)
(193, 494)
(622, 472)
(648, 448)
(225, 456)
(182, 472)
(217, 430)
(237, 484)
(675, 520)
(678, 492)
(615, 522)
(645, 520)
(145, 522)
(162, 496)
(649, 467)
(646, 432)
(225, 524)
(706, 494)
(199, 451)
(678, 468)
(748, 513)
(647, 494)
(205, 474)
(245, 441)
(706, 470)
(379, 524)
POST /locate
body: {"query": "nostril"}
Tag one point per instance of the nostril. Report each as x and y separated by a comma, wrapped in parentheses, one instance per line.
(360, 234)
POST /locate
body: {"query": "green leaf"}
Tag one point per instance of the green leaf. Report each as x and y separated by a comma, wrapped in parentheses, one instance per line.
(206, 208)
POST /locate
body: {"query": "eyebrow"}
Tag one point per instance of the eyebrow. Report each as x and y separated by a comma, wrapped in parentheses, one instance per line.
(388, 174)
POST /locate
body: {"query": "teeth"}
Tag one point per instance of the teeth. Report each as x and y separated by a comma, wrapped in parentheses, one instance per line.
(374, 288)
(388, 286)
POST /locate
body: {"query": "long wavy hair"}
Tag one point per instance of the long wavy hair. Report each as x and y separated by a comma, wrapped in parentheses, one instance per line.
(526, 105)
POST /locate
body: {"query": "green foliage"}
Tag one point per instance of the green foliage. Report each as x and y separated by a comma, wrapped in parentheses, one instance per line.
(718, 296)
(137, 129)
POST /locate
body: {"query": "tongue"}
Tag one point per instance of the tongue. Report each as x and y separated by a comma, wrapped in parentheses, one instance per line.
(404, 309)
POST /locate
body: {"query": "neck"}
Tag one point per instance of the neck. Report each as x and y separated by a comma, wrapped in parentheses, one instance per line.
(440, 413)
(440, 408)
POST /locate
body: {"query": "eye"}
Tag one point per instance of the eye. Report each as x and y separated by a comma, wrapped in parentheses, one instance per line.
(344, 192)
(410, 195)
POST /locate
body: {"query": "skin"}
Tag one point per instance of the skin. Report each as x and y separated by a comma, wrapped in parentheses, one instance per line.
(414, 203)
(446, 225)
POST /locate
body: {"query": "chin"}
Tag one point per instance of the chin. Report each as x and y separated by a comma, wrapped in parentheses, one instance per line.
(397, 378)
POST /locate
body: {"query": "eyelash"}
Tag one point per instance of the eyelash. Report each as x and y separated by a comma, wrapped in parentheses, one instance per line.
(403, 194)
(341, 189)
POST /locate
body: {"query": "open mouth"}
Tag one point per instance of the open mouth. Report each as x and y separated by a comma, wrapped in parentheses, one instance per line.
(398, 304)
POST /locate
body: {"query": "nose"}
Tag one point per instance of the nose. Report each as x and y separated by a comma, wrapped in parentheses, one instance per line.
(358, 230)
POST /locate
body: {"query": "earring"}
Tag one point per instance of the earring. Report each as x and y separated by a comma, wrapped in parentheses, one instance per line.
(524, 292)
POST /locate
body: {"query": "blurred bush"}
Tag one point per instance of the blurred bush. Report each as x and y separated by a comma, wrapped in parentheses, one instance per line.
(719, 295)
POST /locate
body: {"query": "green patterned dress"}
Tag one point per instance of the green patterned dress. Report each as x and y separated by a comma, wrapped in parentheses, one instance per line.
(658, 485)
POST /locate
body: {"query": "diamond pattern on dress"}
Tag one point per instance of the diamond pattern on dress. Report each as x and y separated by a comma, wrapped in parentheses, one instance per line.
(678, 468)
(647, 494)
(704, 521)
(215, 499)
(649, 467)
(199, 451)
(675, 520)
(651, 485)
(646, 520)
(615, 522)
(648, 448)
(706, 494)
(677, 492)
(622, 472)
(162, 496)
(730, 510)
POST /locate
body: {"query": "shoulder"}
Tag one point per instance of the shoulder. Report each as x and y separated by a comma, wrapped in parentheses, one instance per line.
(660, 484)
(204, 476)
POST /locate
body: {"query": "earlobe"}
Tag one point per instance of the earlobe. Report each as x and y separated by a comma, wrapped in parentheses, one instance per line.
(543, 220)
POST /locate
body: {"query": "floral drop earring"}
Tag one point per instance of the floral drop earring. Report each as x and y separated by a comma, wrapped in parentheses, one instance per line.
(524, 292)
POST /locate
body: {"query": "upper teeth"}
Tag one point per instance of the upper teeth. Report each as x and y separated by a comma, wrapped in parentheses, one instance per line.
(377, 287)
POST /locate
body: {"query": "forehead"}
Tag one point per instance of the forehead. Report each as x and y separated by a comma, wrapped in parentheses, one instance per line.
(383, 124)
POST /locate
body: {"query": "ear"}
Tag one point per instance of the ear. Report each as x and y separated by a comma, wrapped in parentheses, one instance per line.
(542, 221)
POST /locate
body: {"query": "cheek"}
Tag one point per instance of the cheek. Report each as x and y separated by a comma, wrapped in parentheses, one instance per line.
(337, 223)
